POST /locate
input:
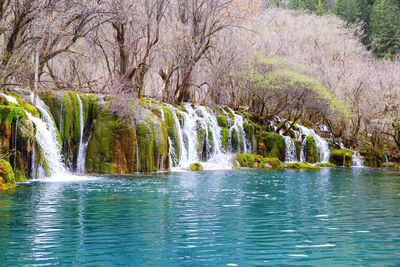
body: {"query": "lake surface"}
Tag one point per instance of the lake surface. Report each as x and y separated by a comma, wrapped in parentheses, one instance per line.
(228, 218)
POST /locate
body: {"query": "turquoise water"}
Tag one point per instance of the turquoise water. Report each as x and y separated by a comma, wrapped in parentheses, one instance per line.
(232, 218)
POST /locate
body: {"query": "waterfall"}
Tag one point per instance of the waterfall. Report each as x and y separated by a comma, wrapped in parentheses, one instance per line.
(217, 159)
(81, 158)
(162, 114)
(290, 150)
(199, 124)
(180, 144)
(241, 134)
(189, 137)
(321, 143)
(172, 153)
(46, 137)
(357, 160)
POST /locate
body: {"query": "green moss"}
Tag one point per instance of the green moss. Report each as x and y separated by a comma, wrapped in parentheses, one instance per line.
(258, 161)
(172, 130)
(230, 115)
(9, 113)
(312, 151)
(152, 137)
(99, 151)
(225, 139)
(271, 145)
(201, 142)
(249, 129)
(7, 178)
(196, 167)
(30, 108)
(341, 157)
(298, 145)
(301, 165)
(222, 120)
(326, 165)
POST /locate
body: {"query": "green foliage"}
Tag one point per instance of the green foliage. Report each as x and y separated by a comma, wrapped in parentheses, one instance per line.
(385, 28)
(196, 167)
(349, 10)
(258, 161)
(301, 165)
(295, 85)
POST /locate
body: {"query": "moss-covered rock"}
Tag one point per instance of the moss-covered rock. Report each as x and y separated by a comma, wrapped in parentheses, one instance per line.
(172, 131)
(341, 157)
(271, 145)
(312, 151)
(301, 165)
(99, 150)
(7, 178)
(64, 107)
(124, 150)
(258, 161)
(222, 120)
(225, 139)
(16, 136)
(196, 167)
(326, 165)
(152, 136)
(250, 131)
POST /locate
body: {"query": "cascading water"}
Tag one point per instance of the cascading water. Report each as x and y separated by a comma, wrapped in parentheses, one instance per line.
(180, 145)
(200, 124)
(189, 137)
(218, 159)
(9, 98)
(321, 143)
(46, 137)
(290, 149)
(81, 158)
(357, 160)
(241, 134)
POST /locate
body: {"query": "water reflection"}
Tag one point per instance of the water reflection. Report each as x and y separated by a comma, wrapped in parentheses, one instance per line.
(333, 217)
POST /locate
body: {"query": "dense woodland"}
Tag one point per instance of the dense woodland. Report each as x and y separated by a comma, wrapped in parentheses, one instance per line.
(331, 63)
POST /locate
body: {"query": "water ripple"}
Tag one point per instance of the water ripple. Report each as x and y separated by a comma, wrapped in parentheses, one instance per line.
(223, 218)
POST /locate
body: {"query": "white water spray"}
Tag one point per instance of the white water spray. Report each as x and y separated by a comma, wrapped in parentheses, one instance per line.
(290, 149)
(321, 143)
(357, 160)
(81, 158)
